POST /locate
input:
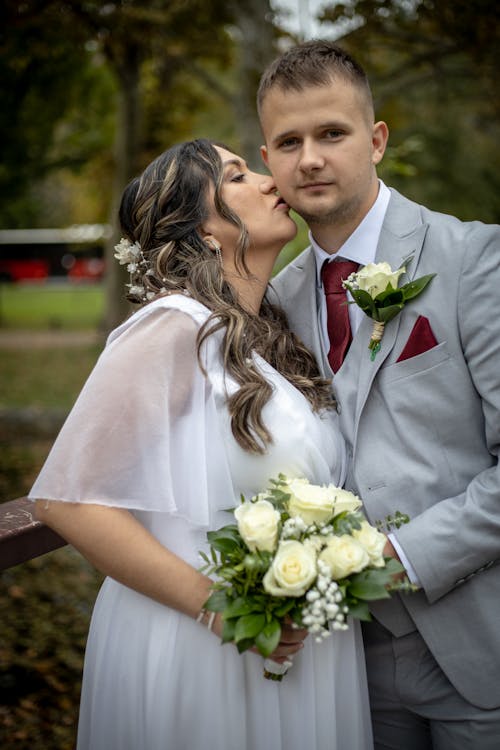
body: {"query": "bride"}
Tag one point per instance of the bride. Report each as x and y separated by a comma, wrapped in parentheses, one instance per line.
(201, 395)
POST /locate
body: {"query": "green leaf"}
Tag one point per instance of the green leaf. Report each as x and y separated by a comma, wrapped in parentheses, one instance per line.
(217, 602)
(249, 626)
(239, 607)
(360, 611)
(244, 645)
(364, 301)
(284, 608)
(389, 296)
(226, 532)
(370, 584)
(228, 629)
(225, 545)
(393, 566)
(268, 638)
(414, 288)
(385, 314)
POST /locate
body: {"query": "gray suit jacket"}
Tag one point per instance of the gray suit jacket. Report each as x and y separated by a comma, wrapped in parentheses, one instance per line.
(424, 434)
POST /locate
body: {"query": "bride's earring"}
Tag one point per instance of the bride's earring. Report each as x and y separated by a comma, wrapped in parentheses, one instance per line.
(216, 247)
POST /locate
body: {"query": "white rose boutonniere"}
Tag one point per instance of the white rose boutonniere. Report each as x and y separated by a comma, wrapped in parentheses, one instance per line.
(374, 288)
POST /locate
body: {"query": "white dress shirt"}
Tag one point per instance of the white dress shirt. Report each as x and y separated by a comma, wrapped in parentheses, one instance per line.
(360, 247)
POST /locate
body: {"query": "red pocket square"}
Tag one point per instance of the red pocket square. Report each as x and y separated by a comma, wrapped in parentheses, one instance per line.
(421, 340)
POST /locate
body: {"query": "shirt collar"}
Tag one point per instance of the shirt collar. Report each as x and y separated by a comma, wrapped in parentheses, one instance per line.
(361, 246)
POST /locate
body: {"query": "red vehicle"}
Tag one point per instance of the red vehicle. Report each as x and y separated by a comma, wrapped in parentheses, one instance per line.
(75, 253)
(12, 269)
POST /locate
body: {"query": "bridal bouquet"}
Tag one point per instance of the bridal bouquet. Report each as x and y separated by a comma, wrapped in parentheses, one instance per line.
(374, 288)
(300, 552)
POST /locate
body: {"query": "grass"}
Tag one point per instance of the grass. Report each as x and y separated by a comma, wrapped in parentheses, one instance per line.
(44, 378)
(48, 306)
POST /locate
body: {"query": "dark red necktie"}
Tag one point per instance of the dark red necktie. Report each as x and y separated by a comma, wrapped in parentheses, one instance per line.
(339, 328)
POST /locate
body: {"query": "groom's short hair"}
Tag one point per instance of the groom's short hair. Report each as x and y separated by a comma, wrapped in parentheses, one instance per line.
(314, 63)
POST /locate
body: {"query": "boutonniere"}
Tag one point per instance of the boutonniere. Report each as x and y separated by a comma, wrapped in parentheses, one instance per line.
(374, 288)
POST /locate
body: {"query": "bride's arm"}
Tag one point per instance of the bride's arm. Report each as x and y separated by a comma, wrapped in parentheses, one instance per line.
(119, 546)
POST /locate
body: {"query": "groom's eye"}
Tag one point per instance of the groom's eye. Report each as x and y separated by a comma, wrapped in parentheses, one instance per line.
(288, 143)
(332, 134)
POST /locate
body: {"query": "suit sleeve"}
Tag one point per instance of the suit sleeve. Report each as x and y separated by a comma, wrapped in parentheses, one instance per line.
(459, 537)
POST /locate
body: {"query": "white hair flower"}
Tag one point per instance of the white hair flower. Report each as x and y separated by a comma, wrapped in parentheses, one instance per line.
(126, 252)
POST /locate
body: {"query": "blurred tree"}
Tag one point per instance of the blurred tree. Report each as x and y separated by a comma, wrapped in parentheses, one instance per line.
(94, 84)
(433, 69)
(43, 73)
(177, 34)
(256, 34)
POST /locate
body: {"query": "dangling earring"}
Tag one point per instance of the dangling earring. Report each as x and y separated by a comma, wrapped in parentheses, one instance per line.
(216, 247)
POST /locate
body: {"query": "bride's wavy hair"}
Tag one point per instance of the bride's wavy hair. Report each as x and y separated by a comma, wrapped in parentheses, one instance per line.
(163, 211)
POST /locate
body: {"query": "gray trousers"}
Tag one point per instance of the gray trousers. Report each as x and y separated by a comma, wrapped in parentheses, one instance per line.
(413, 704)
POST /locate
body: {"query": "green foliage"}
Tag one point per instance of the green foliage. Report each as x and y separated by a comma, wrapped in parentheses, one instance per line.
(70, 70)
(46, 377)
(386, 305)
(63, 307)
(46, 69)
(433, 68)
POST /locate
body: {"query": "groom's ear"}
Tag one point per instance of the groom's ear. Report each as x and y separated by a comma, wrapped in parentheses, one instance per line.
(263, 153)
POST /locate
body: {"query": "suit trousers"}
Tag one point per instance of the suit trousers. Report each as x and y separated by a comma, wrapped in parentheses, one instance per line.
(414, 706)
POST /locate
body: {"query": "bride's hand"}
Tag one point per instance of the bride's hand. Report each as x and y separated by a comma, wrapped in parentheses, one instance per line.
(292, 641)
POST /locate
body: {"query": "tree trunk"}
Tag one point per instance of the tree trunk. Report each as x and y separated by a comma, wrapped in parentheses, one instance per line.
(126, 152)
(257, 47)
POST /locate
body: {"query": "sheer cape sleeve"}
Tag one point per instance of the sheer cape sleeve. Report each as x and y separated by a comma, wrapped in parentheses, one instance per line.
(143, 433)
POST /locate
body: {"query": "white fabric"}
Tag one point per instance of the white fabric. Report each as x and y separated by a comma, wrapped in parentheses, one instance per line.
(151, 433)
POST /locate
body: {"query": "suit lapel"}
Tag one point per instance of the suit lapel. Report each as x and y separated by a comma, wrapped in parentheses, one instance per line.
(303, 312)
(402, 235)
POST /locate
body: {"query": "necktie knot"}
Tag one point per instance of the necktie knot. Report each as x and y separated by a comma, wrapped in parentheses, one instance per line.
(334, 272)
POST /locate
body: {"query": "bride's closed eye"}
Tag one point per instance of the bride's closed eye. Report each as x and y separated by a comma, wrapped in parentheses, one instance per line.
(239, 177)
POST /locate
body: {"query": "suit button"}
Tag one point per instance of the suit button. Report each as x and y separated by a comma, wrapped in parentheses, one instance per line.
(339, 409)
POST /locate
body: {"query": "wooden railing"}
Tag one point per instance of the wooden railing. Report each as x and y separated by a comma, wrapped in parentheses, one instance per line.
(22, 537)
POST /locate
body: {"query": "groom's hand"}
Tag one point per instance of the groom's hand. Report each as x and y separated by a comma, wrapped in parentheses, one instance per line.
(389, 551)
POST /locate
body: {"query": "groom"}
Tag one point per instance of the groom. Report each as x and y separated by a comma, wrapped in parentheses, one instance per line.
(422, 419)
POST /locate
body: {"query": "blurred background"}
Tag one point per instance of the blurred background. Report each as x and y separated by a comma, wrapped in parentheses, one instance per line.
(91, 92)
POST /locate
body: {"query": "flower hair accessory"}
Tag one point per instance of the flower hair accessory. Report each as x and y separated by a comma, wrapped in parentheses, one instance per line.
(374, 288)
(131, 255)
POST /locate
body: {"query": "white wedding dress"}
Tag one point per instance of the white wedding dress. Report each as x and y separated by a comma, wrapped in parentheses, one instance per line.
(151, 433)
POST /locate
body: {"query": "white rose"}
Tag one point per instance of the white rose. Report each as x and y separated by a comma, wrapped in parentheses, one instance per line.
(310, 501)
(292, 570)
(344, 500)
(258, 525)
(375, 277)
(373, 541)
(344, 555)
